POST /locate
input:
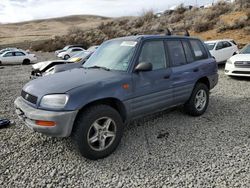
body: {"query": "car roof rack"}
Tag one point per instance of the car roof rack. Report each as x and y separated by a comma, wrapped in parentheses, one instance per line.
(168, 32)
(175, 32)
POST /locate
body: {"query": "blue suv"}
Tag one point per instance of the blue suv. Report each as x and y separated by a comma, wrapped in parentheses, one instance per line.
(126, 78)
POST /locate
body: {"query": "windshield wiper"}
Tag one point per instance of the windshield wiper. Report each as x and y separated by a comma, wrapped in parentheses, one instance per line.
(98, 67)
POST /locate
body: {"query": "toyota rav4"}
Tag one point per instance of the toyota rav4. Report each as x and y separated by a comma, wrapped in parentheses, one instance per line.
(126, 78)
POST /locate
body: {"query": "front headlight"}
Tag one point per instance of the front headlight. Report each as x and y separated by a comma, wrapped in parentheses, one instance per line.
(57, 101)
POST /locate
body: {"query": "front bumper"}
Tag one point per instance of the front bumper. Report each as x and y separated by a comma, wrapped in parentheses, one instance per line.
(231, 70)
(64, 120)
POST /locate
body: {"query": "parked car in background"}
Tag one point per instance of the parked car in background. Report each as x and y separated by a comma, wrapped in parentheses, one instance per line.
(126, 78)
(222, 50)
(70, 53)
(67, 66)
(82, 55)
(68, 47)
(239, 65)
(17, 57)
(52, 67)
(39, 68)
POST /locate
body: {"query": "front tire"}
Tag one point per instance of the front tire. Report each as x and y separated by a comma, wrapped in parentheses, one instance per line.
(97, 131)
(199, 100)
(66, 57)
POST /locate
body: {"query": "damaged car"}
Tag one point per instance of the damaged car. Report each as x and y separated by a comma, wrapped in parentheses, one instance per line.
(51, 67)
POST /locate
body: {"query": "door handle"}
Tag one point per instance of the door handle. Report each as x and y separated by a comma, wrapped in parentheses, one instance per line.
(196, 70)
(166, 77)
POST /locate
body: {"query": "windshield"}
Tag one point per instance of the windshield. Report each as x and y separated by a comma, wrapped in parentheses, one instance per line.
(246, 50)
(210, 46)
(113, 55)
(66, 47)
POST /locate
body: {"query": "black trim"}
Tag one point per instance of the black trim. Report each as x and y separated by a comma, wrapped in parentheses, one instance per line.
(28, 97)
(241, 72)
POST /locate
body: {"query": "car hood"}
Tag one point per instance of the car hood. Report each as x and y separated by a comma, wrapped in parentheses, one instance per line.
(240, 57)
(65, 81)
(40, 66)
(59, 51)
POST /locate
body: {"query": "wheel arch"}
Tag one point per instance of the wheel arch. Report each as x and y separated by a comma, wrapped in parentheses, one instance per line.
(113, 102)
(205, 81)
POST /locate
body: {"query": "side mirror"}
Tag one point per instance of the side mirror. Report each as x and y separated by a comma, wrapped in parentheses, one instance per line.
(142, 67)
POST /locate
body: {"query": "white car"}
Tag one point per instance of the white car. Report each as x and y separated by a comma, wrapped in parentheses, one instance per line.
(222, 50)
(70, 53)
(239, 65)
(68, 47)
(17, 57)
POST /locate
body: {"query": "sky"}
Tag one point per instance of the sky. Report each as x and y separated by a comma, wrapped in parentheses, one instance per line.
(23, 10)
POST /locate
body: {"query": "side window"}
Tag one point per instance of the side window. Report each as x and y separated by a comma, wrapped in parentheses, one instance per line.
(232, 41)
(219, 46)
(153, 52)
(176, 52)
(199, 50)
(226, 44)
(76, 50)
(19, 54)
(188, 52)
(9, 54)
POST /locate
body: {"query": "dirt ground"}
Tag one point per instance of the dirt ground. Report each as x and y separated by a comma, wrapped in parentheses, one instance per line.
(168, 149)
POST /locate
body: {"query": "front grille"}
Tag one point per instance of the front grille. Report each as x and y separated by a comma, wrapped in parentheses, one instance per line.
(28, 97)
(242, 64)
(241, 72)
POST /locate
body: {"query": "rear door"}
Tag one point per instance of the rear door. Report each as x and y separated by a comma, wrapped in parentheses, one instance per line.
(223, 51)
(186, 59)
(19, 57)
(229, 50)
(152, 90)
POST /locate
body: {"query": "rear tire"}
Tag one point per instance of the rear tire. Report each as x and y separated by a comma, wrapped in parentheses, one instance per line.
(26, 62)
(199, 100)
(97, 131)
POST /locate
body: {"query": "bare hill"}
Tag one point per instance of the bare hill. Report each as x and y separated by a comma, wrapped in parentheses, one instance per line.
(46, 29)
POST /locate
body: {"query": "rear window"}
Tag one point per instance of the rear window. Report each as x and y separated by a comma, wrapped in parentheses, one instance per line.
(232, 41)
(176, 52)
(198, 49)
(188, 51)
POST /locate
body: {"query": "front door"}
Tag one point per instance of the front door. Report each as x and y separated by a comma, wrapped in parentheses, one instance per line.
(152, 90)
(9, 58)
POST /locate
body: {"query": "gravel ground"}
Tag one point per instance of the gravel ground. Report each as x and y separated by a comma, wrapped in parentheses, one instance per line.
(168, 149)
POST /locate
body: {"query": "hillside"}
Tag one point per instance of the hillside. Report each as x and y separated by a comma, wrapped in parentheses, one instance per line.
(223, 20)
(46, 29)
